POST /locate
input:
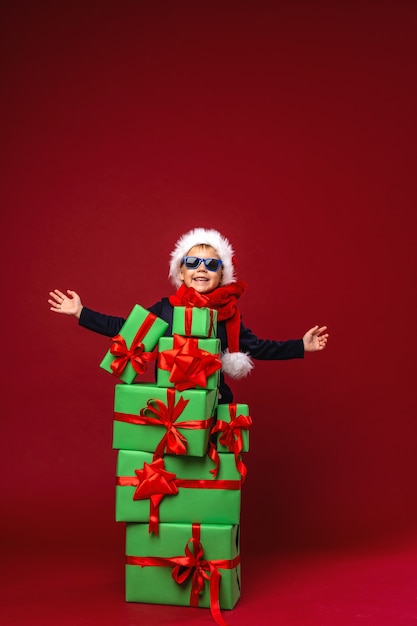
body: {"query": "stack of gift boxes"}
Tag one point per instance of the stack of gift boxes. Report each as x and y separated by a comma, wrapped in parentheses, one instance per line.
(179, 464)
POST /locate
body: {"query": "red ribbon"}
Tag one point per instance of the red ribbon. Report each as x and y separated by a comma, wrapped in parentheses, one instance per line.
(154, 482)
(136, 353)
(231, 437)
(210, 331)
(173, 442)
(189, 365)
(193, 567)
(188, 321)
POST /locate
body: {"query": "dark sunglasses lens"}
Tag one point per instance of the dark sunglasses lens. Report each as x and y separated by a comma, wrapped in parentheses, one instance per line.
(212, 265)
(192, 262)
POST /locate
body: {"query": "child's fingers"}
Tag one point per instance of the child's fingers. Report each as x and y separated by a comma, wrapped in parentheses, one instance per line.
(55, 296)
(60, 293)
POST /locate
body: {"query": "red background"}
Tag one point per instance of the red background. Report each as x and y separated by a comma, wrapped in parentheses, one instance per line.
(291, 129)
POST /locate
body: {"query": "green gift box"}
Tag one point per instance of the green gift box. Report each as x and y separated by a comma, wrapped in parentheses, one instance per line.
(156, 419)
(152, 576)
(176, 489)
(188, 362)
(237, 417)
(194, 321)
(132, 347)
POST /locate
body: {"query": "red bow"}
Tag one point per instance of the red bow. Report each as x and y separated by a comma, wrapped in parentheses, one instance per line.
(231, 437)
(136, 353)
(154, 483)
(193, 566)
(189, 365)
(172, 442)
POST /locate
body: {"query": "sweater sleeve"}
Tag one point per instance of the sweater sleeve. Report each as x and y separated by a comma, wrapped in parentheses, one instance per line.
(100, 323)
(108, 325)
(269, 349)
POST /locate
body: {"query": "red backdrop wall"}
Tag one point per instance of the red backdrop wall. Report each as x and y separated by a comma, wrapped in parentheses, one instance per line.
(292, 130)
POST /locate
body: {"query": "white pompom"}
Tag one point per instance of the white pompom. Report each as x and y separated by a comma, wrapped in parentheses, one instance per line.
(236, 364)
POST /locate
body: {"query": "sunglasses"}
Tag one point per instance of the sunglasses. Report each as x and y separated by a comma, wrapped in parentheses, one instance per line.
(192, 262)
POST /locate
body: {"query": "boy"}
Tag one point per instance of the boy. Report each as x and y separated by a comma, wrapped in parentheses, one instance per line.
(202, 268)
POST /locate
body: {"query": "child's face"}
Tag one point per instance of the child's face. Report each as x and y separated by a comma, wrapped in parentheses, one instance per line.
(201, 278)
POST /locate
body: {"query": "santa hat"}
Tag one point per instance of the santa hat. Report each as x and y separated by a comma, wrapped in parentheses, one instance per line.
(234, 363)
(208, 237)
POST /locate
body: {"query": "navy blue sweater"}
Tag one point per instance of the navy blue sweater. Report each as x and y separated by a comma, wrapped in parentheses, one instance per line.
(262, 349)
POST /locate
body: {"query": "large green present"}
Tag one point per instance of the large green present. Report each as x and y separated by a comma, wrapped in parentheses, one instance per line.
(187, 565)
(156, 419)
(194, 321)
(132, 348)
(188, 362)
(176, 489)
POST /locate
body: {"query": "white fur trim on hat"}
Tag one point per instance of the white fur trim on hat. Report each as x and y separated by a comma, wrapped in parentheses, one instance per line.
(236, 364)
(196, 237)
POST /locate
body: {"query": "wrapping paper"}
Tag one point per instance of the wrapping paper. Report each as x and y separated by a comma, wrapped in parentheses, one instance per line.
(176, 489)
(162, 412)
(231, 431)
(194, 322)
(188, 363)
(156, 581)
(131, 349)
(232, 426)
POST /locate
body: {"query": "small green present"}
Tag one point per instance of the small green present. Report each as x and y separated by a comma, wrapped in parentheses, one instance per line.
(188, 362)
(132, 348)
(232, 425)
(231, 428)
(176, 489)
(186, 565)
(194, 321)
(156, 419)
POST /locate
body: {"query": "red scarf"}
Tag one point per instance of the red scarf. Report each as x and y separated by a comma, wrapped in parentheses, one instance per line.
(223, 300)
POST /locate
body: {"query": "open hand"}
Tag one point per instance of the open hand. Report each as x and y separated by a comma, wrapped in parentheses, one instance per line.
(69, 305)
(314, 339)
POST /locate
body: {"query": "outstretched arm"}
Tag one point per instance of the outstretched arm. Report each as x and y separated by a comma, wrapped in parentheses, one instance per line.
(315, 339)
(69, 305)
